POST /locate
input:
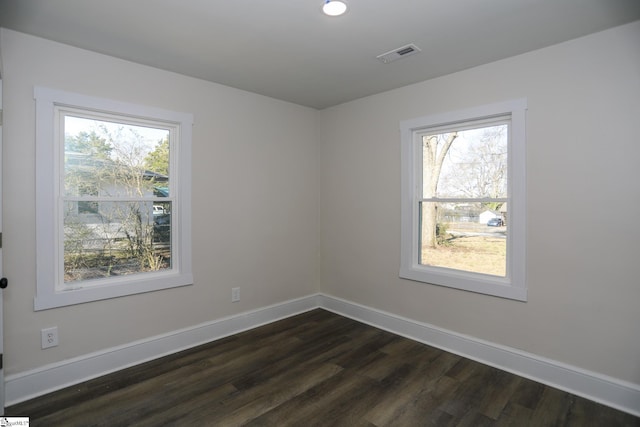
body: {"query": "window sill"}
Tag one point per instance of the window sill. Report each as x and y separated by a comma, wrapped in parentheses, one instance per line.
(128, 286)
(471, 282)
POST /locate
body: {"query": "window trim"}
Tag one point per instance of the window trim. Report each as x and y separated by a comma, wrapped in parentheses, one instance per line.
(48, 190)
(513, 286)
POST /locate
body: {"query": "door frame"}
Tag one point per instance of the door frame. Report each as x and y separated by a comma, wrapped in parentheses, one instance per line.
(2, 391)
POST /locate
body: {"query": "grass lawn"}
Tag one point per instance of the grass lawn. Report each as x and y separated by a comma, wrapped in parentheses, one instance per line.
(480, 254)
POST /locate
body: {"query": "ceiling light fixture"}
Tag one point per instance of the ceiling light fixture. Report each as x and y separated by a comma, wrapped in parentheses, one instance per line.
(334, 7)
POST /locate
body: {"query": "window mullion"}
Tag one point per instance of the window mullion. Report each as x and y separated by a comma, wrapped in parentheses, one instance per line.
(465, 200)
(115, 199)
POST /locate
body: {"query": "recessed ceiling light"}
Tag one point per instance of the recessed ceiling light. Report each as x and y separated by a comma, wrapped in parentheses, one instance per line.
(334, 7)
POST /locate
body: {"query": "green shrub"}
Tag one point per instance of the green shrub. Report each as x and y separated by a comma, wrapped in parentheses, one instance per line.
(441, 233)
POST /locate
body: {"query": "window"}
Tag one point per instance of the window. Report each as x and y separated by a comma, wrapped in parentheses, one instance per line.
(463, 199)
(113, 196)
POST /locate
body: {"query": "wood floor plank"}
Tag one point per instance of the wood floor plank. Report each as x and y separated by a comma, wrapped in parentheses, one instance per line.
(254, 402)
(554, 407)
(417, 408)
(315, 369)
(528, 393)
(472, 379)
(500, 388)
(332, 402)
(515, 415)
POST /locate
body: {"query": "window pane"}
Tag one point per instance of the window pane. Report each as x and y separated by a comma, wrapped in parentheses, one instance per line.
(469, 163)
(120, 238)
(109, 159)
(464, 236)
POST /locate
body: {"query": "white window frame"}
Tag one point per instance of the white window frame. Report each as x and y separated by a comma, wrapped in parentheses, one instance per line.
(513, 285)
(49, 240)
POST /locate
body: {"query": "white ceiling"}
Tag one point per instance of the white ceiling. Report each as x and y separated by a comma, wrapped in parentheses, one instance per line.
(287, 49)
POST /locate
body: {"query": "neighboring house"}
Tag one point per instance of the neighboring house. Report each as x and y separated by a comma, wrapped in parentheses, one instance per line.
(99, 208)
(485, 216)
(91, 178)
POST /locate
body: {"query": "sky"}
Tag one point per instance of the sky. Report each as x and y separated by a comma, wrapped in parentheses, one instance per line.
(149, 136)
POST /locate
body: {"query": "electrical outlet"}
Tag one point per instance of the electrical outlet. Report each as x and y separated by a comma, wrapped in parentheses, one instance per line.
(49, 337)
(235, 294)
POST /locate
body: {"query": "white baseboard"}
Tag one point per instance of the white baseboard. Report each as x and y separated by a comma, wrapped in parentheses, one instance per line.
(49, 378)
(618, 394)
(609, 391)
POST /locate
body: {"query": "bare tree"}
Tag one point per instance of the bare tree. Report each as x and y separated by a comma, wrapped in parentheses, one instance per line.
(135, 219)
(434, 149)
(480, 169)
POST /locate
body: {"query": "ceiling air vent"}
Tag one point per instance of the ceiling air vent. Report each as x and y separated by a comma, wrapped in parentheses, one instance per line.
(401, 52)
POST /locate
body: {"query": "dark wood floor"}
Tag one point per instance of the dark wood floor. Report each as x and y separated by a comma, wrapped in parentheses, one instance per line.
(315, 369)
